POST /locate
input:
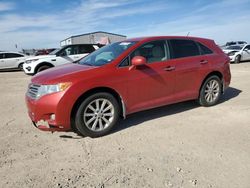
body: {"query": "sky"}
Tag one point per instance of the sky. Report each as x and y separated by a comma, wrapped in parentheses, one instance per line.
(44, 23)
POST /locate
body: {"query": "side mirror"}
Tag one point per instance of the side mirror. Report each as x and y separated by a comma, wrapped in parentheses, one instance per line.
(138, 61)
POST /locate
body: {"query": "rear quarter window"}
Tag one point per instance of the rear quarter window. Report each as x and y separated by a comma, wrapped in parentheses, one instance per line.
(204, 50)
(183, 48)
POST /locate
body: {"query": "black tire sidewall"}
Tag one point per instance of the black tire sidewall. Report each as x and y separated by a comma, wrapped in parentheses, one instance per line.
(202, 99)
(20, 66)
(237, 59)
(42, 68)
(79, 122)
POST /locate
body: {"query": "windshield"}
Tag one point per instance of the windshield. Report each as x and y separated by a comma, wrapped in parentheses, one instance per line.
(234, 48)
(106, 54)
(54, 52)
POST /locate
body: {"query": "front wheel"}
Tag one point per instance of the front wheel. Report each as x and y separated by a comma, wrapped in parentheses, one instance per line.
(211, 91)
(97, 115)
(237, 59)
(43, 67)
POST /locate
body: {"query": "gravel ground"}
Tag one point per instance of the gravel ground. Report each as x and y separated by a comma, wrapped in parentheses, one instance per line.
(181, 145)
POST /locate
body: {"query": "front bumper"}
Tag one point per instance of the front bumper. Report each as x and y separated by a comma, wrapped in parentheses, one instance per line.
(42, 110)
(232, 58)
(28, 68)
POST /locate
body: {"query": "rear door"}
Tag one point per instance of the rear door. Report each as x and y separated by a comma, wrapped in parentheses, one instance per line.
(189, 64)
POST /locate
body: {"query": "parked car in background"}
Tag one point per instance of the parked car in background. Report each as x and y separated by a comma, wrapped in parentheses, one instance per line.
(12, 60)
(45, 51)
(127, 77)
(239, 43)
(238, 53)
(67, 54)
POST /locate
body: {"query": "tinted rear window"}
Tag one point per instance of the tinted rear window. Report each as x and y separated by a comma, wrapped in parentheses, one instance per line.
(12, 55)
(204, 49)
(184, 48)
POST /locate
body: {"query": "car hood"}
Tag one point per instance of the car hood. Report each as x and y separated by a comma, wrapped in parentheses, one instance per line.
(61, 73)
(40, 57)
(228, 51)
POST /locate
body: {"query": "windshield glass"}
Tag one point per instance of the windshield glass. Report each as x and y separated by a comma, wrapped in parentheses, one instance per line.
(54, 52)
(234, 48)
(106, 54)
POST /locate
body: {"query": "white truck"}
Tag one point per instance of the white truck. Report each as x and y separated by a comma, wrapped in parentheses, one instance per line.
(67, 54)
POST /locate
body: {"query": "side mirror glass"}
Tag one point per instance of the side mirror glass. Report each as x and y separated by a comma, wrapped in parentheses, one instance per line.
(138, 61)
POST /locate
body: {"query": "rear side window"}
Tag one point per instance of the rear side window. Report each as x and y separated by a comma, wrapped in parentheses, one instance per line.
(1, 56)
(12, 55)
(204, 50)
(184, 48)
(86, 49)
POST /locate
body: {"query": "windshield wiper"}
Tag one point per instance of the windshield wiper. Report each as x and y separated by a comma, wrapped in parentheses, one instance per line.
(89, 64)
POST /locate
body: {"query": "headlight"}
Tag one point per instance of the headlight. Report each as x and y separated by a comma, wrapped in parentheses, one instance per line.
(30, 61)
(48, 89)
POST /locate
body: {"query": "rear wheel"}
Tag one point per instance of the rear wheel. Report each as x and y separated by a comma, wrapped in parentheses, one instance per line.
(20, 66)
(237, 59)
(97, 115)
(43, 67)
(211, 91)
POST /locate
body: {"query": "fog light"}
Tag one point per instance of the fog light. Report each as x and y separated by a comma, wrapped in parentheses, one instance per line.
(52, 117)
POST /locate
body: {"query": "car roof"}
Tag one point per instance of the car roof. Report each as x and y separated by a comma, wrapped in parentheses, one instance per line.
(164, 37)
(1, 52)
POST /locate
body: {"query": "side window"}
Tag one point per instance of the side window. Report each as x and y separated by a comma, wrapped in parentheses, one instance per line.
(1, 56)
(70, 50)
(155, 51)
(184, 48)
(125, 62)
(247, 47)
(86, 49)
(12, 55)
(204, 49)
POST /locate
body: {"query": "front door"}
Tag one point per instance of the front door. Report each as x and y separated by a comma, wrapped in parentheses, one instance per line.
(151, 85)
(246, 53)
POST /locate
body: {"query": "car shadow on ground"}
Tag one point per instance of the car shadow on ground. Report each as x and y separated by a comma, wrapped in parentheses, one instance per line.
(140, 117)
(10, 70)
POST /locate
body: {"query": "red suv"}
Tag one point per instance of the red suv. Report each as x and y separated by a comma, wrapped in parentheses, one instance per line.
(126, 77)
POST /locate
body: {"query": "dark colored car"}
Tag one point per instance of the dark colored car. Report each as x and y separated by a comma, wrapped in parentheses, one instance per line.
(127, 77)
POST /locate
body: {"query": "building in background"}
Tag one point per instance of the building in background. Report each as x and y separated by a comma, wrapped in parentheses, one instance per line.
(98, 37)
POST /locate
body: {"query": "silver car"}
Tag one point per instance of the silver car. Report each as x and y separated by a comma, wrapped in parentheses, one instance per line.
(238, 53)
(11, 60)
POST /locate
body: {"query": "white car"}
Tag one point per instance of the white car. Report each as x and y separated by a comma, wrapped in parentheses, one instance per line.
(12, 60)
(67, 54)
(238, 53)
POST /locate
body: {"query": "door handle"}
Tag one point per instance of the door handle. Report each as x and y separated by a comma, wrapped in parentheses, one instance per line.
(203, 62)
(169, 68)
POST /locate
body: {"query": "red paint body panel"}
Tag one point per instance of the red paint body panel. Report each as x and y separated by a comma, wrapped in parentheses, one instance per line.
(140, 88)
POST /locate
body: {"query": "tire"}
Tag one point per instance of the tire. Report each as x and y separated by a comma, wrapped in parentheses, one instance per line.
(20, 66)
(42, 68)
(95, 120)
(210, 92)
(237, 59)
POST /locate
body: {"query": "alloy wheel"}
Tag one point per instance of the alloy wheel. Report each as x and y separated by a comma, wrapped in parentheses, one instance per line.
(99, 114)
(212, 91)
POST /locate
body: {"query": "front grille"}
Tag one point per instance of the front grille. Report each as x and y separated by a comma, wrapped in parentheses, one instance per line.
(32, 90)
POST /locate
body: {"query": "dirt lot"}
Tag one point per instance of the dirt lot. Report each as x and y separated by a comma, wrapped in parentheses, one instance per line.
(182, 145)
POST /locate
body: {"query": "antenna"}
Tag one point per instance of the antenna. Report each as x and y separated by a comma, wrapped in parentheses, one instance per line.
(188, 34)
